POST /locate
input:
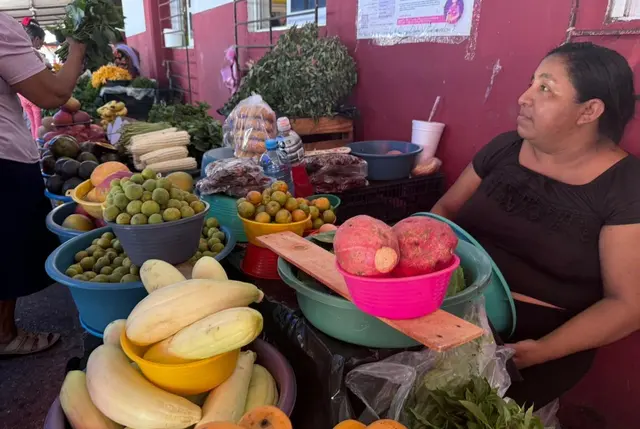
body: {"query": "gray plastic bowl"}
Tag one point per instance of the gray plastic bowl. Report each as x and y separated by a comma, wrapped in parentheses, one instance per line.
(172, 242)
(381, 166)
(268, 356)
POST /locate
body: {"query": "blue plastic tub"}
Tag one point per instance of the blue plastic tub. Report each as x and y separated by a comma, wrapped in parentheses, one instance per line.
(381, 165)
(214, 155)
(229, 244)
(223, 208)
(57, 216)
(500, 307)
(98, 303)
(56, 200)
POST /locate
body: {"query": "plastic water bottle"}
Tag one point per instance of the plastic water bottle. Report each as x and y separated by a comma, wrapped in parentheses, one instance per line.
(276, 166)
(290, 146)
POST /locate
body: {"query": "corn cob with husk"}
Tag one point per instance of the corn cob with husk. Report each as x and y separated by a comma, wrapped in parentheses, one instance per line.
(148, 143)
(184, 164)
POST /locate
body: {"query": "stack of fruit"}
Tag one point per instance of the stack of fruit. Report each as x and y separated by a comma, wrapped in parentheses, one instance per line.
(212, 320)
(110, 111)
(70, 163)
(274, 204)
(103, 262)
(323, 215)
(70, 120)
(163, 151)
(212, 240)
(145, 198)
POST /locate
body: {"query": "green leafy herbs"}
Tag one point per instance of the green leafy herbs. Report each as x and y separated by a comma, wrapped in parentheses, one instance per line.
(205, 132)
(94, 23)
(457, 283)
(472, 405)
(143, 83)
(302, 77)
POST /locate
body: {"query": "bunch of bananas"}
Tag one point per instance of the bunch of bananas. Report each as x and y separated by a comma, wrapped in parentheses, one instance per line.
(110, 111)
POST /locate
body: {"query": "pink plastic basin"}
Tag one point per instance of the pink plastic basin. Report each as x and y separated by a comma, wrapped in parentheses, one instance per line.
(400, 298)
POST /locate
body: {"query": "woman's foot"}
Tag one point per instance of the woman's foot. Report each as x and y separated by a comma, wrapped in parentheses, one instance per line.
(26, 343)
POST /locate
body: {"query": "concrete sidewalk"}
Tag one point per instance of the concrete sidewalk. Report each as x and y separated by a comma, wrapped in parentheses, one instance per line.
(29, 384)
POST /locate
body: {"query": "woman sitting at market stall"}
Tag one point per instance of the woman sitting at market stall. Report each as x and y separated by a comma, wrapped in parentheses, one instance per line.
(557, 206)
(28, 243)
(127, 58)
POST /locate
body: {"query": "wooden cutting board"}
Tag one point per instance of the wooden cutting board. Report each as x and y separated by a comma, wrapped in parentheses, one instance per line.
(438, 331)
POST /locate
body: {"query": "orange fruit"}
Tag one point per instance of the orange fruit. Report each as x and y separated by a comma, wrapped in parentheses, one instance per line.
(246, 210)
(272, 208)
(304, 207)
(322, 204)
(315, 213)
(291, 204)
(309, 225)
(263, 217)
(300, 201)
(298, 215)
(328, 216)
(280, 186)
(327, 227)
(317, 223)
(283, 216)
(254, 197)
(279, 197)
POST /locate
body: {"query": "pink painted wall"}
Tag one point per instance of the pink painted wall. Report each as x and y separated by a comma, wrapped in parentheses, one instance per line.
(399, 83)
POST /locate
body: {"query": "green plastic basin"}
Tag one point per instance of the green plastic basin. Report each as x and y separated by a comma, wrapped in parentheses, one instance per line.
(339, 318)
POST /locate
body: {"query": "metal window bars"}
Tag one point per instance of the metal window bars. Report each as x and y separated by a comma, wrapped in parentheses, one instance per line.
(269, 19)
(174, 71)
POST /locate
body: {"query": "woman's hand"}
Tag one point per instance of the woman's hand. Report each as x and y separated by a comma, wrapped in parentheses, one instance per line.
(528, 353)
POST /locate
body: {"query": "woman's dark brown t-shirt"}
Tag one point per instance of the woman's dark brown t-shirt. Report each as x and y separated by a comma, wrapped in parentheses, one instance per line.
(543, 234)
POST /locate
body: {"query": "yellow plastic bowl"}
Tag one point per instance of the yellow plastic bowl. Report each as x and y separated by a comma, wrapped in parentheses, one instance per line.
(79, 192)
(253, 229)
(183, 379)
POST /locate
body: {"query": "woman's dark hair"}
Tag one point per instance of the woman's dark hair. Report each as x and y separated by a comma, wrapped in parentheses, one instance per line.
(33, 29)
(602, 73)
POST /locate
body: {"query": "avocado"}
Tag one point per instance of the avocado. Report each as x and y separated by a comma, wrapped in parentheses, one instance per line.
(86, 168)
(70, 184)
(59, 163)
(54, 184)
(87, 156)
(64, 145)
(48, 165)
(109, 157)
(89, 147)
(70, 169)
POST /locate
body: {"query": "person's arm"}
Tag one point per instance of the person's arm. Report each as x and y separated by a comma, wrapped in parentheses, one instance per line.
(451, 202)
(614, 317)
(51, 90)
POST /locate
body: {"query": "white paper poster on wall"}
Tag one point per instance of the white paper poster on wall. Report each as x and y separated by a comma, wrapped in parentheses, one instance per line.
(133, 11)
(414, 19)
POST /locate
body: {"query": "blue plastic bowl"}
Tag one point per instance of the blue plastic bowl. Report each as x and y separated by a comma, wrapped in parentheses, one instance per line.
(382, 166)
(98, 303)
(215, 155)
(56, 200)
(498, 300)
(229, 244)
(57, 216)
(223, 208)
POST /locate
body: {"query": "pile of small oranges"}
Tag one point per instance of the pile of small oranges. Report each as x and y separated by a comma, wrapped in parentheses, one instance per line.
(275, 204)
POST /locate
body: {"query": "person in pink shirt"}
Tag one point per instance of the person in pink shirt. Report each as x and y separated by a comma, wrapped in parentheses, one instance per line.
(27, 240)
(33, 112)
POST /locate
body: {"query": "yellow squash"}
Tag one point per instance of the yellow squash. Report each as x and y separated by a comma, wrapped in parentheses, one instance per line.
(208, 268)
(168, 310)
(262, 389)
(126, 397)
(213, 335)
(77, 406)
(113, 331)
(226, 402)
(156, 274)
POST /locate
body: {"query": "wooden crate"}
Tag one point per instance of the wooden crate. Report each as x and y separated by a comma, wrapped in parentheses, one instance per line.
(324, 133)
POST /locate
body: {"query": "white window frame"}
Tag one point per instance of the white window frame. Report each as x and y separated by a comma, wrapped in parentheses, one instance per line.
(176, 8)
(624, 10)
(259, 9)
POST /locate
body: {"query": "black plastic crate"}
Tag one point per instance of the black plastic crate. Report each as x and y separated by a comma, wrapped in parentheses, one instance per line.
(392, 201)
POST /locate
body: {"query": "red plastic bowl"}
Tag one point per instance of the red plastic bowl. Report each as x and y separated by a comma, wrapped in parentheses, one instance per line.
(400, 298)
(261, 263)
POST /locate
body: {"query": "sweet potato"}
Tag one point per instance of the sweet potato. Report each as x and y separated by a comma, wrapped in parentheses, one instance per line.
(426, 245)
(365, 246)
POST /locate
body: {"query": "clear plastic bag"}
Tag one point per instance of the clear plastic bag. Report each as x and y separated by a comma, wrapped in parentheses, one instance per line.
(385, 387)
(336, 172)
(234, 177)
(249, 126)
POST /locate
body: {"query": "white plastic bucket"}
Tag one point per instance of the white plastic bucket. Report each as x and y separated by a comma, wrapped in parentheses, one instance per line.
(427, 135)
